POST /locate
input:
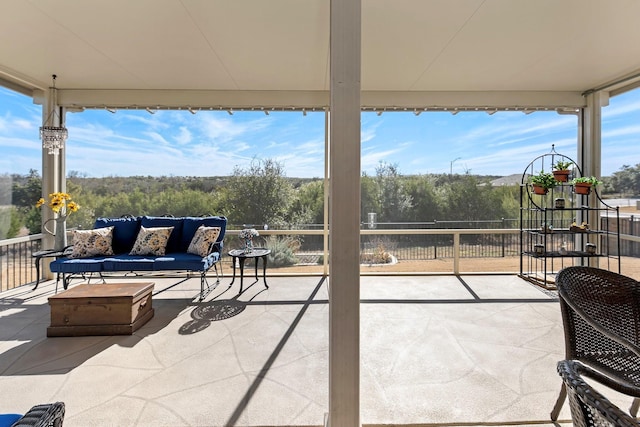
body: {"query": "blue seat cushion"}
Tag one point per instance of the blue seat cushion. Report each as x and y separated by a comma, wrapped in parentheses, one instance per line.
(183, 261)
(127, 262)
(191, 224)
(125, 232)
(173, 245)
(7, 420)
(77, 265)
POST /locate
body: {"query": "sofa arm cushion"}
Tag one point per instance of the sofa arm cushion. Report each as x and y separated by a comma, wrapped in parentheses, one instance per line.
(191, 224)
(203, 240)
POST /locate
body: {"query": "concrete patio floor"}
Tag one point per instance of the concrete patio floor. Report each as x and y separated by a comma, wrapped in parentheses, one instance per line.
(435, 350)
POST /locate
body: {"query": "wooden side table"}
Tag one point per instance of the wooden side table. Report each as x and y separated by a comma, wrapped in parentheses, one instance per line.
(242, 256)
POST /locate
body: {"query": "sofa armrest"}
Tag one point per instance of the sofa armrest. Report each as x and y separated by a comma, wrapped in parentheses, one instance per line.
(216, 247)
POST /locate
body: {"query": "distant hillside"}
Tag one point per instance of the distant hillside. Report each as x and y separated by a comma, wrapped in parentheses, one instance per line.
(514, 179)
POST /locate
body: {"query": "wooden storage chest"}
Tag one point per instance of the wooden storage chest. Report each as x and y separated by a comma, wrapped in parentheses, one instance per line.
(101, 309)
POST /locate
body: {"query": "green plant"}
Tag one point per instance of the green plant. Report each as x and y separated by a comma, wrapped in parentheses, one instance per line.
(586, 180)
(562, 166)
(543, 179)
(282, 250)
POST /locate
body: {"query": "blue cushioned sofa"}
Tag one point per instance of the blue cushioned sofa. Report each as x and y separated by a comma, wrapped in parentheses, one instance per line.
(176, 257)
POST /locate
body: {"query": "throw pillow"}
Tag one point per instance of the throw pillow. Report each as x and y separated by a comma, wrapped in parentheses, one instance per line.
(203, 239)
(90, 243)
(151, 241)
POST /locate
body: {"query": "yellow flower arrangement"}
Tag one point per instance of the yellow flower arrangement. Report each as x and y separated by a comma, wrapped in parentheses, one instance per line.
(60, 203)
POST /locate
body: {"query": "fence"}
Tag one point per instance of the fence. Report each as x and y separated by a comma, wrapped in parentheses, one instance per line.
(630, 226)
(16, 265)
(406, 241)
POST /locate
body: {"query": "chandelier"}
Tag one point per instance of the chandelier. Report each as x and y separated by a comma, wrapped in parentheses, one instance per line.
(53, 137)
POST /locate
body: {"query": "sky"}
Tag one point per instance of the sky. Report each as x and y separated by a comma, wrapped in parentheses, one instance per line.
(213, 143)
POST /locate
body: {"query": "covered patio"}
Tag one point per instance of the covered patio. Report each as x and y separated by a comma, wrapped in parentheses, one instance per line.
(341, 57)
(456, 350)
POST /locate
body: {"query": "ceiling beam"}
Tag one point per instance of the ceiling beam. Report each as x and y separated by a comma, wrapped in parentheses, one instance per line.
(296, 100)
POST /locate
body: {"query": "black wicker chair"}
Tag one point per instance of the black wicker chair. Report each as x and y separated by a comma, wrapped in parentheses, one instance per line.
(589, 407)
(601, 318)
(46, 415)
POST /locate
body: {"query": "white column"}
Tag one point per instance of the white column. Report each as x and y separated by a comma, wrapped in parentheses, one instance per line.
(344, 216)
(590, 150)
(325, 236)
(53, 168)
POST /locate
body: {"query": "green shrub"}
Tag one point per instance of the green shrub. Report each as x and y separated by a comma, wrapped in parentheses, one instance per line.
(282, 250)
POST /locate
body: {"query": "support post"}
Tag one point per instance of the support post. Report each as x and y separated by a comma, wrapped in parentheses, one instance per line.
(590, 150)
(53, 166)
(344, 216)
(326, 187)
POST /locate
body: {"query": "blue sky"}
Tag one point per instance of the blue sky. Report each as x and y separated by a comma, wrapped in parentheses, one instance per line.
(209, 143)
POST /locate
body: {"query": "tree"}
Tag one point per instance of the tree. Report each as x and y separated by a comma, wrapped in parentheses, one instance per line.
(393, 201)
(470, 200)
(368, 196)
(627, 180)
(26, 195)
(260, 194)
(308, 205)
(423, 193)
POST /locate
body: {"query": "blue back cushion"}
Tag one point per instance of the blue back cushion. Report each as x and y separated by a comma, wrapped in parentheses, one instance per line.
(191, 224)
(125, 232)
(173, 245)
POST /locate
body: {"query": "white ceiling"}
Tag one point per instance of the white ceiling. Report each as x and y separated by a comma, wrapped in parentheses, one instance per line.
(283, 45)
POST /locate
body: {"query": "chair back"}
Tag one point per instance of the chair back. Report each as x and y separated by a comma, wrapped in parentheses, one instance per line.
(588, 406)
(601, 315)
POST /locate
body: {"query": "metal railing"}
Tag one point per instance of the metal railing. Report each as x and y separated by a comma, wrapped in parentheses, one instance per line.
(16, 264)
(17, 267)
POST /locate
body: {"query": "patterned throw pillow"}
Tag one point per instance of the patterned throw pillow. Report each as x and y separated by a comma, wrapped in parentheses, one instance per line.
(202, 240)
(151, 241)
(89, 243)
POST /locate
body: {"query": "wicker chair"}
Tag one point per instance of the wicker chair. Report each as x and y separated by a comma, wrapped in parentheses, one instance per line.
(601, 318)
(588, 407)
(46, 415)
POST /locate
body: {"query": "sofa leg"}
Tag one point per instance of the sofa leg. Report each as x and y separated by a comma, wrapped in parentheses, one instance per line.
(218, 275)
(204, 281)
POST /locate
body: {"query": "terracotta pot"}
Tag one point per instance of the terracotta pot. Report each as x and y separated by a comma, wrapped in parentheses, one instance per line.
(561, 176)
(582, 188)
(540, 190)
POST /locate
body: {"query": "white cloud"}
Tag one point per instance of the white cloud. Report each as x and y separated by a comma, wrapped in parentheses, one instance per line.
(184, 136)
(622, 131)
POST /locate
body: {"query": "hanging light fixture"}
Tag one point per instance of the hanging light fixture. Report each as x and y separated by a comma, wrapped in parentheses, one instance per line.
(53, 137)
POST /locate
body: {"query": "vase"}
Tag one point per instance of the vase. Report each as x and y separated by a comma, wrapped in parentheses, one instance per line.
(59, 233)
(248, 245)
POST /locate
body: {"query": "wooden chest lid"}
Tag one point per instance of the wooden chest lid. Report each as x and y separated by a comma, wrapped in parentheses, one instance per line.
(105, 290)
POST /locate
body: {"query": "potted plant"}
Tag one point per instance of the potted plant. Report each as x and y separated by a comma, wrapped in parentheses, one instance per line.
(542, 182)
(561, 170)
(582, 185)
